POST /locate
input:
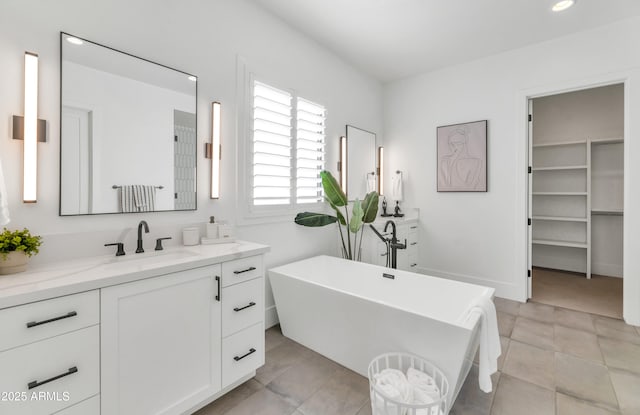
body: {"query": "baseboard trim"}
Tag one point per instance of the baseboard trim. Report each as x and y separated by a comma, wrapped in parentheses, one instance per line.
(609, 270)
(270, 317)
(503, 290)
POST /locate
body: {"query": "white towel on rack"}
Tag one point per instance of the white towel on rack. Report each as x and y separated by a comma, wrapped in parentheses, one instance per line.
(490, 348)
(145, 198)
(4, 203)
(371, 182)
(397, 192)
(137, 198)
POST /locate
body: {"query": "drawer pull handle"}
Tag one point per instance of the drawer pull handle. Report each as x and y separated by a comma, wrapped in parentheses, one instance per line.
(218, 281)
(385, 254)
(251, 304)
(51, 320)
(36, 384)
(245, 270)
(413, 265)
(414, 227)
(413, 243)
(239, 358)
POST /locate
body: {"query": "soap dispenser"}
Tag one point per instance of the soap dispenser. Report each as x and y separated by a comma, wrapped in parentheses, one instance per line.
(212, 228)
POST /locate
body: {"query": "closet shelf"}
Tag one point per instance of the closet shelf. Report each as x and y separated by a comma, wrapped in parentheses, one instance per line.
(581, 167)
(612, 140)
(560, 218)
(568, 244)
(559, 193)
(565, 143)
(609, 212)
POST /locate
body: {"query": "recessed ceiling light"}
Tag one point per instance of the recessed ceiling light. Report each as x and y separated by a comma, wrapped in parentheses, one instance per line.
(74, 40)
(563, 5)
(192, 78)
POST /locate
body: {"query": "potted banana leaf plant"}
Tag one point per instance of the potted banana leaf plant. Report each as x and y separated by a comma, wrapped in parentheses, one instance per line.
(362, 212)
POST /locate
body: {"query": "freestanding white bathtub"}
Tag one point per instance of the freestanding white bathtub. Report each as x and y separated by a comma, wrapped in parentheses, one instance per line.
(351, 312)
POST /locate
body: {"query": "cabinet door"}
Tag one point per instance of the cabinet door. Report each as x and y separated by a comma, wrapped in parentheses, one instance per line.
(160, 343)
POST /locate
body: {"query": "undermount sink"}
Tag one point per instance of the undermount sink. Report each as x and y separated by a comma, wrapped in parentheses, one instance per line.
(132, 260)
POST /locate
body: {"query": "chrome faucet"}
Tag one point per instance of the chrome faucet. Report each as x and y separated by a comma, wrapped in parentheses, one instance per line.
(392, 244)
(146, 230)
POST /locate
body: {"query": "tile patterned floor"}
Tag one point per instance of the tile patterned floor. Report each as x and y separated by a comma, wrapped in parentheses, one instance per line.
(555, 362)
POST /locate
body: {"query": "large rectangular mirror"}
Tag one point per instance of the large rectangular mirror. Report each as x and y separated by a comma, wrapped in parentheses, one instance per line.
(361, 162)
(127, 132)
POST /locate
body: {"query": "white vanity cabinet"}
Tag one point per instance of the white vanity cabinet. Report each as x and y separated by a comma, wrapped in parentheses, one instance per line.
(159, 334)
(374, 251)
(49, 355)
(408, 258)
(242, 318)
(161, 343)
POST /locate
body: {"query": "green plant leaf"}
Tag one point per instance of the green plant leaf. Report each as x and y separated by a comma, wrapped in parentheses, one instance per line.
(314, 219)
(332, 189)
(19, 241)
(339, 214)
(370, 207)
(356, 217)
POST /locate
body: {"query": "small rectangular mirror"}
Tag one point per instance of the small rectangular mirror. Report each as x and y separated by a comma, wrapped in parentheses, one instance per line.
(127, 132)
(361, 162)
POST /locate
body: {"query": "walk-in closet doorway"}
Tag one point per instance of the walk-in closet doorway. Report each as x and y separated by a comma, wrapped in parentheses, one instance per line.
(576, 199)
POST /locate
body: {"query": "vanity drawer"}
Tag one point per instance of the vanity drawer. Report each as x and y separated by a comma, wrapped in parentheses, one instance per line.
(89, 407)
(44, 319)
(242, 353)
(51, 374)
(241, 270)
(242, 306)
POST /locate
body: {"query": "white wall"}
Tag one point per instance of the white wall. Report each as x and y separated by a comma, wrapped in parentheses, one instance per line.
(481, 237)
(574, 116)
(199, 37)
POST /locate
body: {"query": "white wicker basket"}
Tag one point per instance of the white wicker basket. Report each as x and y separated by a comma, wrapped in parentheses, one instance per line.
(383, 405)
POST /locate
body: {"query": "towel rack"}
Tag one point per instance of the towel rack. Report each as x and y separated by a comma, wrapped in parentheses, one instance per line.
(115, 186)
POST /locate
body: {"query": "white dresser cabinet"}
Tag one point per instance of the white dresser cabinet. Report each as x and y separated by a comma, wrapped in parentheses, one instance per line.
(161, 343)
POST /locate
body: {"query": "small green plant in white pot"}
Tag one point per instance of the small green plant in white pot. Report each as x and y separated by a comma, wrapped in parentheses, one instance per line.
(15, 248)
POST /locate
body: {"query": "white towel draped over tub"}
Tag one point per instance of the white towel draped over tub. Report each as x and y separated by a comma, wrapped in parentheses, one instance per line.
(490, 348)
(137, 198)
(4, 203)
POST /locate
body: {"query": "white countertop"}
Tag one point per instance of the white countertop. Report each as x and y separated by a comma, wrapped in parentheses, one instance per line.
(63, 278)
(411, 215)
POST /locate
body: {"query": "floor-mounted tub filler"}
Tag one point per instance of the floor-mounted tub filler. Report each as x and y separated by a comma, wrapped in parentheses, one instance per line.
(352, 312)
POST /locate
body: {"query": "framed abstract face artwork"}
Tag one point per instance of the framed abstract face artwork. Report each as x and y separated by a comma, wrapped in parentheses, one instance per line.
(462, 157)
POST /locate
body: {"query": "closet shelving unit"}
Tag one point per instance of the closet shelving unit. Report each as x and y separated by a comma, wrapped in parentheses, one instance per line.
(561, 199)
(563, 194)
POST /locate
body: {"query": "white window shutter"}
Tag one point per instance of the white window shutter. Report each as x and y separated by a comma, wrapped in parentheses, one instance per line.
(272, 137)
(310, 142)
(288, 148)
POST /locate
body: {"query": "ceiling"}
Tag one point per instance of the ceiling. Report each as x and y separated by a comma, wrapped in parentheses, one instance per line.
(393, 39)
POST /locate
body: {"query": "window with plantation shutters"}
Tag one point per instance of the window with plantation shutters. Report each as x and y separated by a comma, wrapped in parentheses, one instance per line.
(287, 148)
(309, 151)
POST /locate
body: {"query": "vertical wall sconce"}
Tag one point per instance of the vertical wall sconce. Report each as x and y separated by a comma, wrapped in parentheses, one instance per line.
(342, 164)
(213, 150)
(30, 129)
(380, 170)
